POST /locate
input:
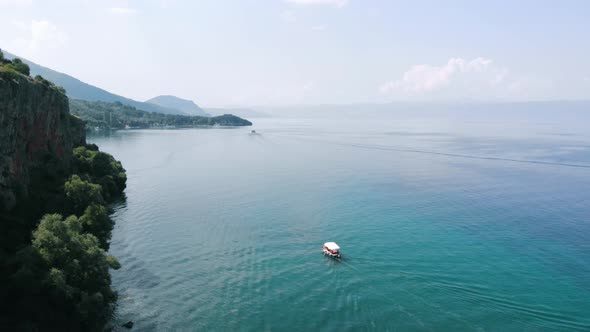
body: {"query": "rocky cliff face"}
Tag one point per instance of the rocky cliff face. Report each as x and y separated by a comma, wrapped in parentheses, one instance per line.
(37, 134)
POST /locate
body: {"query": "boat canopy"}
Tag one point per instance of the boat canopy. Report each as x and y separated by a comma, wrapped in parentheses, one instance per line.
(331, 246)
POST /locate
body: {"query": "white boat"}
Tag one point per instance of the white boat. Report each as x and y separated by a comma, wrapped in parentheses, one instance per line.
(331, 249)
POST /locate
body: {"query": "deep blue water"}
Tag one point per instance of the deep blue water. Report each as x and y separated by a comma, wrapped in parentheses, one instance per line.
(444, 226)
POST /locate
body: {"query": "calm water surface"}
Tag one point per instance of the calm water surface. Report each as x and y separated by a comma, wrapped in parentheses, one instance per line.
(222, 230)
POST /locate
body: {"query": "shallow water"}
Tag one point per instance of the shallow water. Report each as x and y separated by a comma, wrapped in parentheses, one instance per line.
(222, 230)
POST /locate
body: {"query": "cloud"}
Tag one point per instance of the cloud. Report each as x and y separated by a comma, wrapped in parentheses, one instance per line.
(335, 3)
(318, 28)
(457, 77)
(123, 10)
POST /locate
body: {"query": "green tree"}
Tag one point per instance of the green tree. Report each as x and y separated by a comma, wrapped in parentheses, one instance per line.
(102, 169)
(58, 279)
(20, 66)
(102, 164)
(97, 222)
(40, 79)
(78, 272)
(83, 160)
(80, 194)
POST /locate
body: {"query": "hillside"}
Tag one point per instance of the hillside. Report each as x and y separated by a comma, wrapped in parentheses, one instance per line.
(186, 106)
(77, 89)
(116, 115)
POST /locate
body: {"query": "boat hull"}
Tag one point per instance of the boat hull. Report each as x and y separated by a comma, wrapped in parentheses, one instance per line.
(326, 252)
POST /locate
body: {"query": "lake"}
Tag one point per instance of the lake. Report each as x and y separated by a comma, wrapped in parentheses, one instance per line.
(444, 225)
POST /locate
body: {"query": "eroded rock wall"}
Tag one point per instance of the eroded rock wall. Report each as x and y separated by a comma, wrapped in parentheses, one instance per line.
(37, 135)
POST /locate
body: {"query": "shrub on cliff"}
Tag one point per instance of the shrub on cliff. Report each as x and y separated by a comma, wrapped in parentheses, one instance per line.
(78, 273)
(40, 79)
(18, 65)
(97, 222)
(8, 72)
(81, 194)
(102, 169)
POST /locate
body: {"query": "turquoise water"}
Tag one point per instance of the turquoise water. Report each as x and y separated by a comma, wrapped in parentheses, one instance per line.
(222, 230)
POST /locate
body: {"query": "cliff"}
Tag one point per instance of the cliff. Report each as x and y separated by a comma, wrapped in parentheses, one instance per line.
(37, 135)
(55, 227)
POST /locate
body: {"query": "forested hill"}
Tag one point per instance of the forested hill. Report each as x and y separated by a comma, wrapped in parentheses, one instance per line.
(79, 90)
(188, 107)
(116, 115)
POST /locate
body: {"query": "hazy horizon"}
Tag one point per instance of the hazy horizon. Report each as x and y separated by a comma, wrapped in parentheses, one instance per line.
(311, 52)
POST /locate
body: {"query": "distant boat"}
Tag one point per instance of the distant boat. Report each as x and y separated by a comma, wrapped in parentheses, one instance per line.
(331, 249)
(253, 132)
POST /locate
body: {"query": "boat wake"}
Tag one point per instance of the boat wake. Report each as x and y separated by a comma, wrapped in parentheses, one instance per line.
(445, 154)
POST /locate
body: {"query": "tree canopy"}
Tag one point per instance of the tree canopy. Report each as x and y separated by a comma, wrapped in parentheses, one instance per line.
(81, 193)
(20, 66)
(78, 270)
(96, 221)
(54, 272)
(101, 168)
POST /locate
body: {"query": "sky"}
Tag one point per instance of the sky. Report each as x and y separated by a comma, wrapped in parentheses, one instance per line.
(297, 52)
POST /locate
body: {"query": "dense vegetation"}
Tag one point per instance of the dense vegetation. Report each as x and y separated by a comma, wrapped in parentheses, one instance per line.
(59, 279)
(103, 115)
(8, 67)
(101, 168)
(11, 68)
(54, 266)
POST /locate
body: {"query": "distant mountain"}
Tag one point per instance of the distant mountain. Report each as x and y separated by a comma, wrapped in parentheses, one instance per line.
(243, 112)
(184, 105)
(79, 90)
